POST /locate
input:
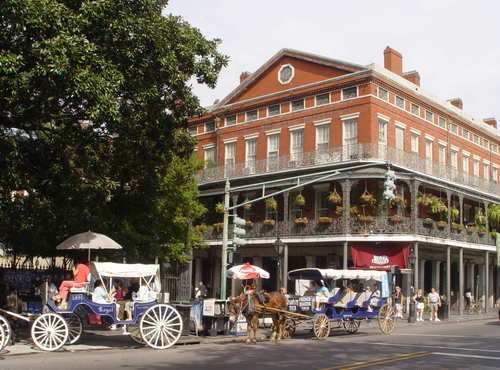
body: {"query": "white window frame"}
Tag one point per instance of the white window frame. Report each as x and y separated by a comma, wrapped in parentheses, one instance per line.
(399, 128)
(418, 109)
(346, 88)
(274, 105)
(316, 99)
(205, 126)
(465, 164)
(350, 148)
(296, 156)
(442, 159)
(256, 117)
(291, 76)
(250, 164)
(206, 149)
(268, 160)
(296, 100)
(431, 114)
(383, 121)
(414, 142)
(386, 91)
(226, 123)
(454, 158)
(396, 102)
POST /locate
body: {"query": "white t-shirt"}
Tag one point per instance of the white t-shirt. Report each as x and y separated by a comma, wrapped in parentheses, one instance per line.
(144, 294)
(434, 297)
(100, 295)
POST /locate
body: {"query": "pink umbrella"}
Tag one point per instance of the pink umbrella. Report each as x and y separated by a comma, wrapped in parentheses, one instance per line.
(247, 271)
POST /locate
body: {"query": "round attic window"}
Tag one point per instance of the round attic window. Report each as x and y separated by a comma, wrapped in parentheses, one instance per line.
(286, 73)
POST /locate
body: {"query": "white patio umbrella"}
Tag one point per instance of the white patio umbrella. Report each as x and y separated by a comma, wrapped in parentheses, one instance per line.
(88, 241)
(247, 271)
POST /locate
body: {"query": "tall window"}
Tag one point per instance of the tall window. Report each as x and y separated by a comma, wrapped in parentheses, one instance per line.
(382, 131)
(442, 154)
(400, 138)
(322, 138)
(454, 159)
(414, 142)
(429, 116)
(296, 145)
(442, 122)
(486, 171)
(229, 156)
(428, 150)
(494, 174)
(351, 136)
(465, 164)
(322, 203)
(476, 167)
(273, 143)
(400, 102)
(209, 157)
(415, 109)
(250, 154)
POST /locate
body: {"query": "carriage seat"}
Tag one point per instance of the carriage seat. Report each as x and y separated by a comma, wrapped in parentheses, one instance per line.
(81, 288)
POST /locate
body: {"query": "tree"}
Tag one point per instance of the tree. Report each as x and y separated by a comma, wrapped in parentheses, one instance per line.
(94, 101)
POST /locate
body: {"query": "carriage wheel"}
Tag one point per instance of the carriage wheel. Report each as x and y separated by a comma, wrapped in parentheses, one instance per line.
(7, 332)
(161, 326)
(135, 334)
(351, 326)
(3, 338)
(49, 331)
(75, 326)
(290, 326)
(321, 326)
(386, 319)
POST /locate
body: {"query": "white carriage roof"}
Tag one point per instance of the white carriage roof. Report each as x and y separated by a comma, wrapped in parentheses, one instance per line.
(318, 274)
(123, 270)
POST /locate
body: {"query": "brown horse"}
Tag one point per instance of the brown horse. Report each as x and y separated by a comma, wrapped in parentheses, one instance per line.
(253, 305)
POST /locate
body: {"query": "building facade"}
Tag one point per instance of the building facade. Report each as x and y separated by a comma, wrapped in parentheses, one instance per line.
(300, 117)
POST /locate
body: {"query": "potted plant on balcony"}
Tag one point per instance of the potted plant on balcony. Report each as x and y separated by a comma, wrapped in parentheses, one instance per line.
(218, 227)
(271, 204)
(494, 234)
(454, 213)
(301, 221)
(441, 224)
(354, 210)
(458, 228)
(300, 201)
(335, 197)
(428, 222)
(398, 200)
(367, 219)
(219, 207)
(480, 218)
(368, 198)
(494, 215)
(268, 222)
(201, 229)
(396, 219)
(325, 220)
(481, 230)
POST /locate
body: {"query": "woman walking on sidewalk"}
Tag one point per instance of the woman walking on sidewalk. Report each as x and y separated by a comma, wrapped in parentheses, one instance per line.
(419, 304)
(434, 303)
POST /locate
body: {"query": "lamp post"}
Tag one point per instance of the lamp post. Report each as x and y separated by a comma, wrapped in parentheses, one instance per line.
(279, 246)
(411, 312)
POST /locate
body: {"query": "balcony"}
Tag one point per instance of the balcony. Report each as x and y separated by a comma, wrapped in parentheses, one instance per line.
(379, 225)
(346, 154)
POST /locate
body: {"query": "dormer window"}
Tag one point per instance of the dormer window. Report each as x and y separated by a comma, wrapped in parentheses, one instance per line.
(286, 73)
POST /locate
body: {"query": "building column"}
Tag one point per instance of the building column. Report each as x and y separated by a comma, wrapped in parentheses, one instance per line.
(421, 275)
(198, 271)
(416, 272)
(461, 281)
(471, 279)
(285, 267)
(481, 294)
(345, 255)
(448, 198)
(310, 261)
(346, 204)
(286, 211)
(448, 278)
(216, 277)
(436, 276)
(461, 204)
(486, 205)
(414, 185)
(257, 261)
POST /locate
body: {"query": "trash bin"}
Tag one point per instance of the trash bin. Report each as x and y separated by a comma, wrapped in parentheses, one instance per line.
(185, 312)
(443, 311)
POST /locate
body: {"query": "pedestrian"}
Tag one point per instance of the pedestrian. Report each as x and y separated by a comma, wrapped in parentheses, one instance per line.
(468, 299)
(419, 304)
(434, 303)
(398, 302)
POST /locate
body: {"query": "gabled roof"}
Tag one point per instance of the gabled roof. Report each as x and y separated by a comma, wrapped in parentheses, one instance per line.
(309, 57)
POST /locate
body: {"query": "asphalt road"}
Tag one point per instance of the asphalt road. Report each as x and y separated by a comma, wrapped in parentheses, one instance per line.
(470, 345)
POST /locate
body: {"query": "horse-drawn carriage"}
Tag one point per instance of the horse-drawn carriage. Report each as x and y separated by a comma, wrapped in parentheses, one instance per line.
(154, 324)
(344, 306)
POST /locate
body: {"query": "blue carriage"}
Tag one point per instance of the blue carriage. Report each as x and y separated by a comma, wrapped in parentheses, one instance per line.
(344, 306)
(154, 324)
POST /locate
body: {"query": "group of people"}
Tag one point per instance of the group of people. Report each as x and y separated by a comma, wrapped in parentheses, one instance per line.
(433, 299)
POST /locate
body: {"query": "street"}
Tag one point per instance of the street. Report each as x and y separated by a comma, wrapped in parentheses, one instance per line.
(468, 345)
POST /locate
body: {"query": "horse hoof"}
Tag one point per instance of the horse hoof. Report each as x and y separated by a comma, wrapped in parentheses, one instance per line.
(248, 341)
(254, 341)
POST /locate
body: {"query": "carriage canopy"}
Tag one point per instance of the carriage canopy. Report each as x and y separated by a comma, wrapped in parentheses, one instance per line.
(150, 274)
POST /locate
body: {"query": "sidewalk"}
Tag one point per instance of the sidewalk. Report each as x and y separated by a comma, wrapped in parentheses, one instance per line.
(108, 340)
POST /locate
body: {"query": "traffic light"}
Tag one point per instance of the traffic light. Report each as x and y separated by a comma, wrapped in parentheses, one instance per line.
(238, 232)
(389, 185)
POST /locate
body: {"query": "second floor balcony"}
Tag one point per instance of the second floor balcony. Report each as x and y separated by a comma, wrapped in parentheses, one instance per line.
(346, 154)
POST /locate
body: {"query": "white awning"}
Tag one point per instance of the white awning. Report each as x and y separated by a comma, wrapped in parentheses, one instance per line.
(124, 270)
(318, 274)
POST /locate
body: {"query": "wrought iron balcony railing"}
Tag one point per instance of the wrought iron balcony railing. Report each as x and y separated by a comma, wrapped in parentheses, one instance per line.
(348, 153)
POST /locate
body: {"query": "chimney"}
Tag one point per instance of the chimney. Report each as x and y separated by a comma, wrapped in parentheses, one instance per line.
(244, 76)
(393, 61)
(457, 102)
(491, 121)
(413, 77)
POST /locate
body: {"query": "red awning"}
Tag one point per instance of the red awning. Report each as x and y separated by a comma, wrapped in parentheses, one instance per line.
(381, 257)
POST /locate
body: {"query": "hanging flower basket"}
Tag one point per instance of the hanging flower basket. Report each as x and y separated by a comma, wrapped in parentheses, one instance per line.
(457, 227)
(428, 222)
(335, 197)
(218, 227)
(398, 200)
(300, 201)
(219, 207)
(325, 220)
(442, 225)
(247, 206)
(271, 204)
(301, 221)
(354, 210)
(339, 211)
(396, 219)
(367, 219)
(481, 230)
(454, 213)
(268, 222)
(368, 198)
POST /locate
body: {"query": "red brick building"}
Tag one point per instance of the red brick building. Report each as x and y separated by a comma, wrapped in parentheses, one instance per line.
(303, 114)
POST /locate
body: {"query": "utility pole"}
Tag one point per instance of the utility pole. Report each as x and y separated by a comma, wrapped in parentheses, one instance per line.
(225, 232)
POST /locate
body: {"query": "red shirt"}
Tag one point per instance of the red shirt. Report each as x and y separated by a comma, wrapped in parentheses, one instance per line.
(82, 273)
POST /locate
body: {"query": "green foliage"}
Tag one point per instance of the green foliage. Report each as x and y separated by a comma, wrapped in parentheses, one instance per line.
(94, 102)
(480, 218)
(271, 204)
(219, 207)
(494, 215)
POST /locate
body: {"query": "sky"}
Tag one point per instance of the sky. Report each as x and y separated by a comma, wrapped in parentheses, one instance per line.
(454, 45)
